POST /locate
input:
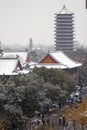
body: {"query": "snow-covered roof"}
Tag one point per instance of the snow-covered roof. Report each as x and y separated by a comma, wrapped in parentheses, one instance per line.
(63, 61)
(7, 66)
(22, 56)
(11, 66)
(65, 11)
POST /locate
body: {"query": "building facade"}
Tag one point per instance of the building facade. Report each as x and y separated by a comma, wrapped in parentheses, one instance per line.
(64, 30)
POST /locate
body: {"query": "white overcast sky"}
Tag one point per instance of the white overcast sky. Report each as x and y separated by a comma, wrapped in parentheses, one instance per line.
(22, 19)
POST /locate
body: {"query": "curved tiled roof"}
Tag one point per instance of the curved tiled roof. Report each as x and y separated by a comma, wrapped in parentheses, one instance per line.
(62, 61)
(65, 60)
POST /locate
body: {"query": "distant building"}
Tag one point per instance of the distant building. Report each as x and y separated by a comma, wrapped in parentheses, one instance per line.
(30, 44)
(1, 51)
(64, 30)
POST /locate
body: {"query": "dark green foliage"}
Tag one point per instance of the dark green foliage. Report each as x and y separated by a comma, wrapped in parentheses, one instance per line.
(29, 104)
(82, 74)
(71, 85)
(34, 56)
(55, 77)
(22, 95)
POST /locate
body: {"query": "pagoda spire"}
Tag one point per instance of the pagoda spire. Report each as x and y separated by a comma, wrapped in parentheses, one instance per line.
(64, 10)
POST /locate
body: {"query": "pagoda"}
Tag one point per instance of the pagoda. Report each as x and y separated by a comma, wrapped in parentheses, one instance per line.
(64, 30)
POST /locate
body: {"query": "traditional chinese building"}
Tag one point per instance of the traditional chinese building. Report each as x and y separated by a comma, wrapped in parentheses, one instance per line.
(58, 60)
(14, 63)
(64, 30)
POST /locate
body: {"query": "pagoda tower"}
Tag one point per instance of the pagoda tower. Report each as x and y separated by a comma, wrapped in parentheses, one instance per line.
(30, 44)
(64, 30)
(1, 51)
